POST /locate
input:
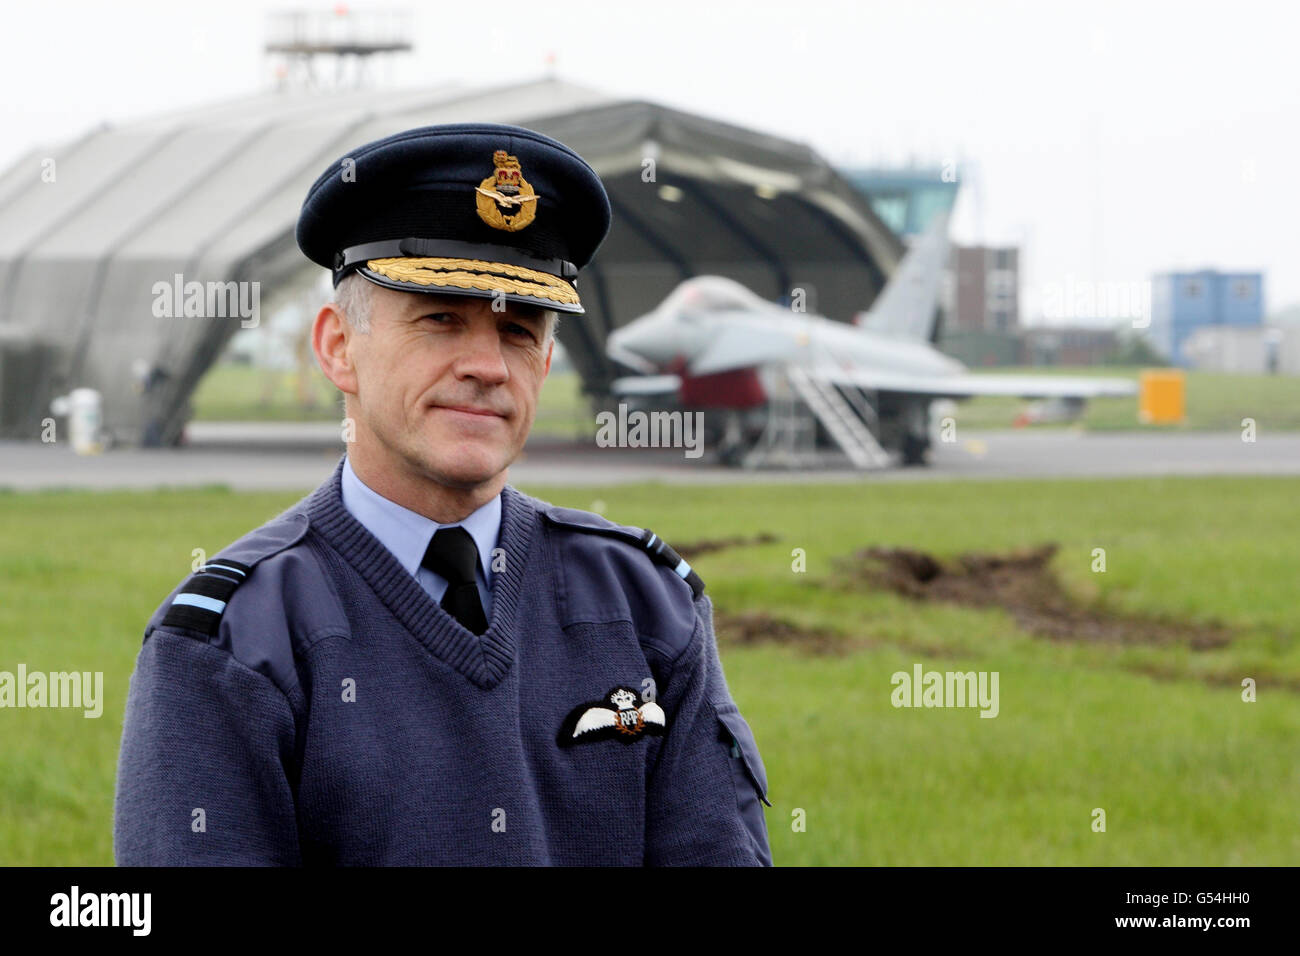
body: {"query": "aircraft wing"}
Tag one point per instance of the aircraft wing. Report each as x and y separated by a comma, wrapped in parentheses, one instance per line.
(646, 385)
(737, 346)
(965, 385)
(938, 386)
(1047, 386)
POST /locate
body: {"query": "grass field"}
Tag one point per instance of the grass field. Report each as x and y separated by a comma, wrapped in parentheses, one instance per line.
(1214, 401)
(1157, 736)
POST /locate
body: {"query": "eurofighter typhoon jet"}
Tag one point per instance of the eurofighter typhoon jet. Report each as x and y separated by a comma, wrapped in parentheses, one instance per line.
(767, 373)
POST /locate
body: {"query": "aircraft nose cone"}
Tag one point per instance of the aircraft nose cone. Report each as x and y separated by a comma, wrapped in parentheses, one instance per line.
(636, 339)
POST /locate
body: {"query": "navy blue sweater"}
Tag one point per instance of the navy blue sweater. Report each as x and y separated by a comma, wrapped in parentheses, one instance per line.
(303, 701)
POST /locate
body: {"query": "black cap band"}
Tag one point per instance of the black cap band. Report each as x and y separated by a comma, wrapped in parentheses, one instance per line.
(420, 248)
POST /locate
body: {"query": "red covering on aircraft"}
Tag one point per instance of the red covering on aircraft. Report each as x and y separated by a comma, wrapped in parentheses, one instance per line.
(734, 388)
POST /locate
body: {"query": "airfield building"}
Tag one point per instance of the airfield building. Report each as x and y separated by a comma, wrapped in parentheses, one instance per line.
(906, 199)
(1183, 302)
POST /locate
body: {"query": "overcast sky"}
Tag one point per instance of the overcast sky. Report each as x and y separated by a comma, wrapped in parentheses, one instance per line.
(1110, 140)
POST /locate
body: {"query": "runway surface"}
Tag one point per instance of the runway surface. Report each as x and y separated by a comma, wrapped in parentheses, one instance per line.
(293, 456)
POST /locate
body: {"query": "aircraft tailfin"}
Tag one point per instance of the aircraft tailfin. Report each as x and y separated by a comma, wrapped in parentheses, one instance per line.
(907, 307)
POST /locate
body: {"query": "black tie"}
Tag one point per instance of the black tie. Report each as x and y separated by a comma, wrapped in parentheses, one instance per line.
(453, 555)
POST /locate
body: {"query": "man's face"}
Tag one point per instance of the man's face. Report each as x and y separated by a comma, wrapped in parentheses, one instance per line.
(446, 386)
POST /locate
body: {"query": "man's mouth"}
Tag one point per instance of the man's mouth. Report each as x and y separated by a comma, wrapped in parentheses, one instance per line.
(472, 410)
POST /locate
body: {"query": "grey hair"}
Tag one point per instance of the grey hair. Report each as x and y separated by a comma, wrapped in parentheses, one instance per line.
(354, 299)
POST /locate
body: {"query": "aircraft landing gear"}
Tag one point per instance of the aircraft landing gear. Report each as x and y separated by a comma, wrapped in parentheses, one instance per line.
(915, 449)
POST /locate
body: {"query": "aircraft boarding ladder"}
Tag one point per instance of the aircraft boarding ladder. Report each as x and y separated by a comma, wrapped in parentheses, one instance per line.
(840, 420)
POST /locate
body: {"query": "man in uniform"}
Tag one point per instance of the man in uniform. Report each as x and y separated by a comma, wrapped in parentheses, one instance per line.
(418, 663)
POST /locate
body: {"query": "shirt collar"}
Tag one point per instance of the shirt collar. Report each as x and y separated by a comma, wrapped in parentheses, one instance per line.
(406, 533)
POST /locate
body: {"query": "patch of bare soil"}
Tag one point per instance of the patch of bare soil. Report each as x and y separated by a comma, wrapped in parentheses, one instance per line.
(1022, 582)
(748, 628)
(694, 549)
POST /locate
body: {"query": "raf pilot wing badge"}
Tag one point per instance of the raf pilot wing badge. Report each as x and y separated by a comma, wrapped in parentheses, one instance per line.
(615, 717)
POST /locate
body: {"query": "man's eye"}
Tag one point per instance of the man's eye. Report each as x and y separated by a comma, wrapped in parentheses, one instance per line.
(436, 315)
(517, 328)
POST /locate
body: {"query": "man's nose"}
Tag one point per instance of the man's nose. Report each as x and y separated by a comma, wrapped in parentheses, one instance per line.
(481, 355)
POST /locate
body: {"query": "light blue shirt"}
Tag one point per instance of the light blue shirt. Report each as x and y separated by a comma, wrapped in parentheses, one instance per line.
(407, 534)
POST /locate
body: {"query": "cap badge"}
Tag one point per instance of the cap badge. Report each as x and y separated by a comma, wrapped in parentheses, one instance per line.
(505, 199)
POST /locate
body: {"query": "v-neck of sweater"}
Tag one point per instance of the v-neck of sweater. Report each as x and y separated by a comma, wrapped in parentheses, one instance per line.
(483, 659)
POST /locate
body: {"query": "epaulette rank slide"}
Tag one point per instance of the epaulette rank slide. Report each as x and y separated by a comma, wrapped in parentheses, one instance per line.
(202, 602)
(659, 550)
(662, 553)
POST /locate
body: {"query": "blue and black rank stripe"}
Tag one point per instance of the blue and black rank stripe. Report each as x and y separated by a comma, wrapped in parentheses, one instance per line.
(660, 551)
(663, 554)
(202, 601)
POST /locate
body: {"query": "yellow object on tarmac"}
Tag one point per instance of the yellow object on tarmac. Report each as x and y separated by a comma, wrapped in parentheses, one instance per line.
(1162, 397)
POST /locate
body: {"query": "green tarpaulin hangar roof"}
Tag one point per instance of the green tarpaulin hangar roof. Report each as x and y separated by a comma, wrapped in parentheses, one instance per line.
(213, 194)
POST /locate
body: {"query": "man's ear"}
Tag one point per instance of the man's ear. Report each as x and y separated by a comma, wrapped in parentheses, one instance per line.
(332, 340)
(550, 350)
